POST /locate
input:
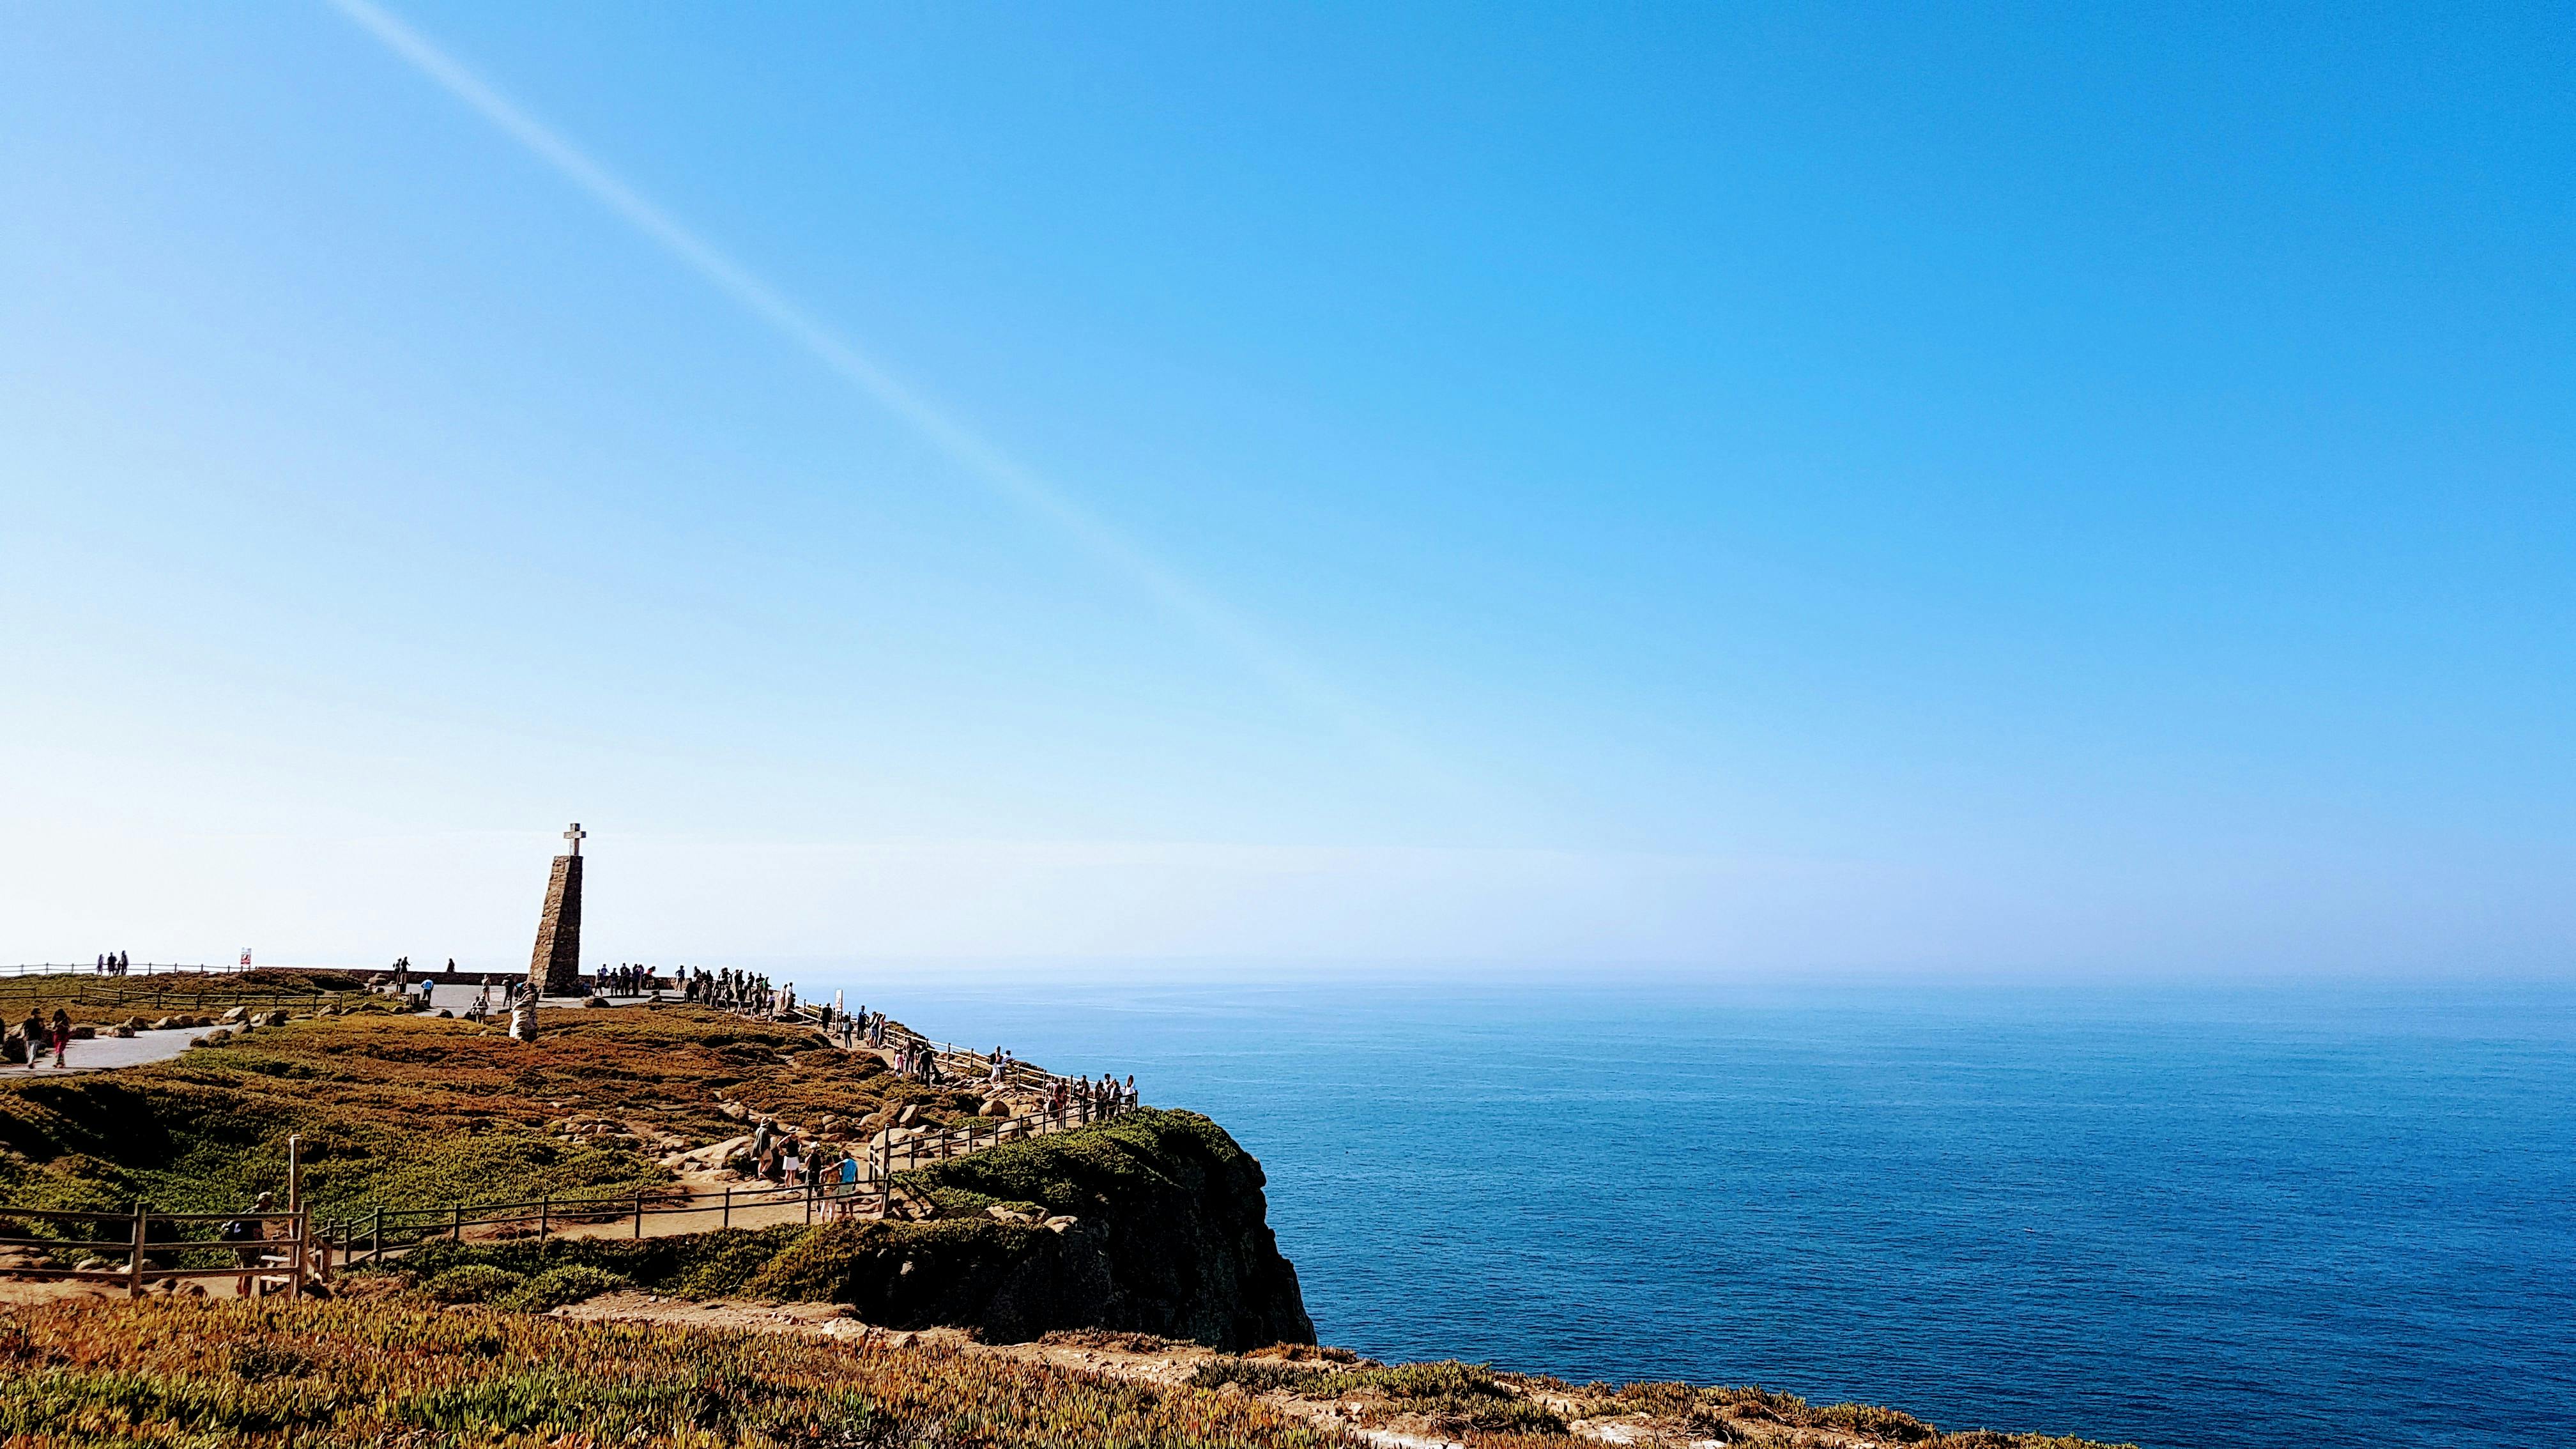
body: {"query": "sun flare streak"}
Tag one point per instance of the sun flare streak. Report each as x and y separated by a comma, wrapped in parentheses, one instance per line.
(996, 469)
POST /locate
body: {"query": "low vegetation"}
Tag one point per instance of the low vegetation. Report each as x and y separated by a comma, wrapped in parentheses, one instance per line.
(834, 1263)
(1490, 1410)
(404, 1110)
(1075, 1174)
(372, 1373)
(104, 1000)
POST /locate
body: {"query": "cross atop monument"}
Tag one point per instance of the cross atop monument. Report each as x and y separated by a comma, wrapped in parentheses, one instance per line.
(554, 968)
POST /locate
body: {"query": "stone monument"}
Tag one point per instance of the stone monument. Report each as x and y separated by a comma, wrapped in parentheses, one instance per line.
(555, 968)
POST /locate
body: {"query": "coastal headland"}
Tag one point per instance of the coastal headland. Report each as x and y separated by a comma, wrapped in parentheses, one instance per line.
(1039, 1280)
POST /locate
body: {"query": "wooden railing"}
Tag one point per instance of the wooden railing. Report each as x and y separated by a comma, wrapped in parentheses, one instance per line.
(941, 1144)
(381, 1232)
(390, 1231)
(286, 1247)
(161, 998)
(90, 968)
(970, 1066)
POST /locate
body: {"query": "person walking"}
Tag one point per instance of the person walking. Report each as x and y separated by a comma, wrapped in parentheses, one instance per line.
(248, 1236)
(62, 1034)
(31, 1033)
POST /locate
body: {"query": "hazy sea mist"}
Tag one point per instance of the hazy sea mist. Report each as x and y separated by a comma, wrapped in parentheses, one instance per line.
(2185, 1216)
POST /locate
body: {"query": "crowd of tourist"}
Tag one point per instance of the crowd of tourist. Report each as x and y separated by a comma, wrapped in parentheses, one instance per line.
(115, 963)
(729, 989)
(830, 1170)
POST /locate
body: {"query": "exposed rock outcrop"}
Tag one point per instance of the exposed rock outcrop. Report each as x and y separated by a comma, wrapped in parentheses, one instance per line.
(1169, 1234)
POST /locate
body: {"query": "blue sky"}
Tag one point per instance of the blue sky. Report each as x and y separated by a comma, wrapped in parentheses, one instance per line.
(1774, 489)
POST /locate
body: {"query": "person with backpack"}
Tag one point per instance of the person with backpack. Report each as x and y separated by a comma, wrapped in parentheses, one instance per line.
(248, 1238)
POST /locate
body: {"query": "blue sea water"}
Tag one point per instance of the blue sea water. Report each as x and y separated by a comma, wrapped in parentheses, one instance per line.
(2182, 1217)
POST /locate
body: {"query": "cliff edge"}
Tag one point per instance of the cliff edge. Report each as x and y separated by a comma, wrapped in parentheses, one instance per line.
(1171, 1232)
(1154, 1223)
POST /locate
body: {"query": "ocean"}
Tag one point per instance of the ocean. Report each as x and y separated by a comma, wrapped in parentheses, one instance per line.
(2205, 1217)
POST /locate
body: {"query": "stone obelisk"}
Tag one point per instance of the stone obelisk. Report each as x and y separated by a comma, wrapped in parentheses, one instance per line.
(555, 969)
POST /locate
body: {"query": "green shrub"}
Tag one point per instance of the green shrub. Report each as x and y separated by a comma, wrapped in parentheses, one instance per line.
(1669, 1399)
(1441, 1379)
(1259, 1375)
(471, 1283)
(1872, 1422)
(685, 1265)
(555, 1287)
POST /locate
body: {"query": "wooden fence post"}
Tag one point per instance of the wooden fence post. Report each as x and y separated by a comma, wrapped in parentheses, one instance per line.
(545, 1214)
(639, 1214)
(376, 1247)
(134, 1270)
(727, 1220)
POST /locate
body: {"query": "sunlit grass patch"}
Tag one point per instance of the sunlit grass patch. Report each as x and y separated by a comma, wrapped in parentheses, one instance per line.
(367, 1374)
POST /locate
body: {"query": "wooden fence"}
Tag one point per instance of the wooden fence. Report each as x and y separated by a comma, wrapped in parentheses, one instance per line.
(145, 968)
(374, 1235)
(960, 1066)
(154, 1247)
(161, 998)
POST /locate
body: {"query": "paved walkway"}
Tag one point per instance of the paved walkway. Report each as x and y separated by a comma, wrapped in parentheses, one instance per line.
(103, 1053)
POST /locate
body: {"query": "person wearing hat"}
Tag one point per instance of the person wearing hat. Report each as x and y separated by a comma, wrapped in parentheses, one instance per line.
(248, 1235)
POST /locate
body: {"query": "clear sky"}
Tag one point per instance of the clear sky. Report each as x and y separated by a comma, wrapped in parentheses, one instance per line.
(1960, 489)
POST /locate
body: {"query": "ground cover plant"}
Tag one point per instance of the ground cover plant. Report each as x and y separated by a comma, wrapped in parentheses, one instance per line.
(1490, 1410)
(102, 1000)
(369, 1373)
(405, 1110)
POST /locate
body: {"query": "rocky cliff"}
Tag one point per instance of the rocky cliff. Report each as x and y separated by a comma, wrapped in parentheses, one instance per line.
(1155, 1223)
(1170, 1233)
